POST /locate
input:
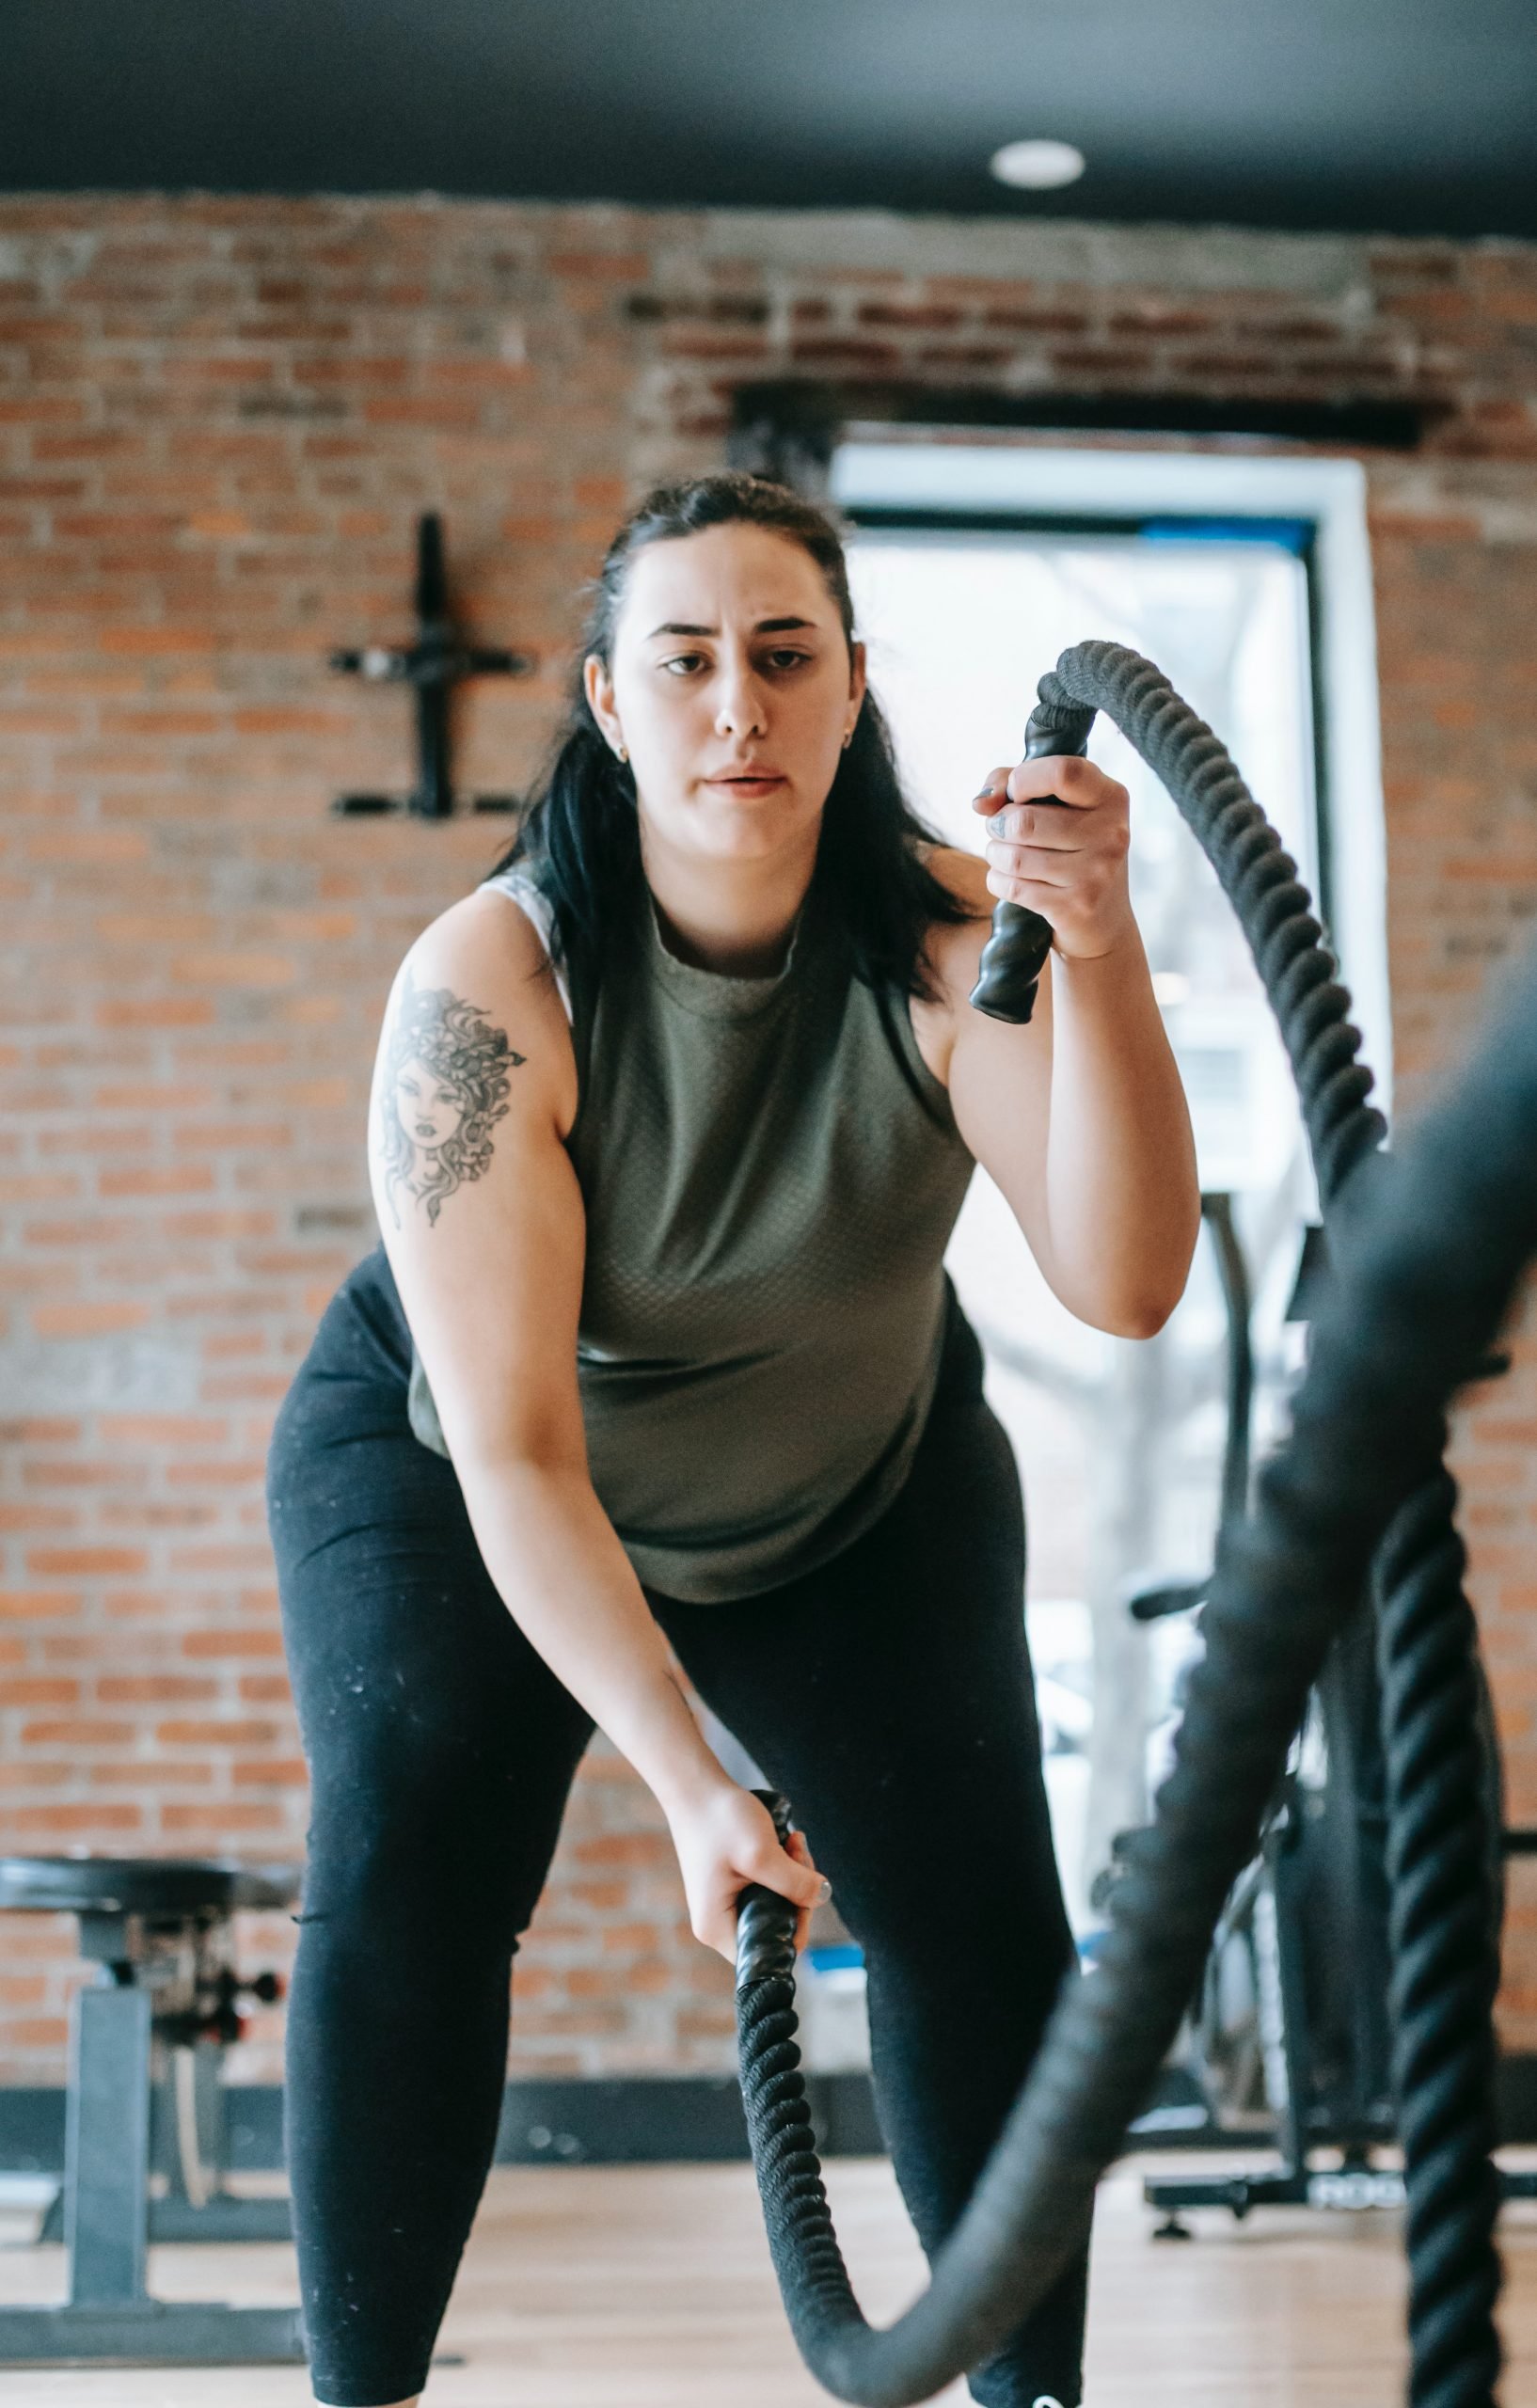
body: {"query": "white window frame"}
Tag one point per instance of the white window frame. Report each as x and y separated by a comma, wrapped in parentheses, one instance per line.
(920, 473)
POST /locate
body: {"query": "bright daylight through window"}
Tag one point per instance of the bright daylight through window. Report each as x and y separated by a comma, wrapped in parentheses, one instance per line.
(1120, 1443)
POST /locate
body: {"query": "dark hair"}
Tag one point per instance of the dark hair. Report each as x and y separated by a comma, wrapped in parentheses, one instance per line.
(579, 836)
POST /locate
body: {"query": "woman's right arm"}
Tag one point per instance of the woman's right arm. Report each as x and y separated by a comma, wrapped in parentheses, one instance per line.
(474, 1094)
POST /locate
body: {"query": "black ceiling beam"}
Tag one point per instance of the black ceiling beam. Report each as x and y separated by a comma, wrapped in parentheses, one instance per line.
(790, 427)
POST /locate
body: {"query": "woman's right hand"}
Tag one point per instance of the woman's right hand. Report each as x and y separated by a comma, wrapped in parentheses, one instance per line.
(726, 1840)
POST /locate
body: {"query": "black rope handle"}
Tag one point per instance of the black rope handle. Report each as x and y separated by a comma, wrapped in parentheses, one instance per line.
(1008, 972)
(1422, 1264)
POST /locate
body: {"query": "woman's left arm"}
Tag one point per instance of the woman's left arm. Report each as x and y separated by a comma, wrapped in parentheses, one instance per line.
(1079, 1116)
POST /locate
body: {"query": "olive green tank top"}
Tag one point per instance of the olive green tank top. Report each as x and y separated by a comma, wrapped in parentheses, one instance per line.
(762, 1304)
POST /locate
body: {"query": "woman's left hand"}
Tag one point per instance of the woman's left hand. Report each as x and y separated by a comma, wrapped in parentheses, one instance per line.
(1059, 836)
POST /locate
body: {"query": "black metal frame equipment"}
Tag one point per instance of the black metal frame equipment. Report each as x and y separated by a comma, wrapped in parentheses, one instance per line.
(166, 2000)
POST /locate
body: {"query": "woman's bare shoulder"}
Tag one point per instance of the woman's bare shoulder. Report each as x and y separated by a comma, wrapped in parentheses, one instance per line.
(951, 953)
(953, 950)
(485, 955)
(485, 926)
(964, 874)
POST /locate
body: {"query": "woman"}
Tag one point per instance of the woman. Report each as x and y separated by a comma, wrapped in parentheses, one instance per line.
(658, 1365)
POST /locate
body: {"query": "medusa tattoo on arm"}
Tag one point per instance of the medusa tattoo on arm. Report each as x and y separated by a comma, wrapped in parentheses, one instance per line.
(442, 1090)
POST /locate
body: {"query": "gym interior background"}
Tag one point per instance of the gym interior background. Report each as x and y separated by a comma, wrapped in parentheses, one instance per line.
(221, 414)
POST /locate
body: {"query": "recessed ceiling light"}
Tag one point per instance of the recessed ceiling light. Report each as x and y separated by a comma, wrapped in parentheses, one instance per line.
(1038, 166)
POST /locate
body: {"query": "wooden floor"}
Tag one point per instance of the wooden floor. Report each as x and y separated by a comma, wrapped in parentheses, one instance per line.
(649, 2286)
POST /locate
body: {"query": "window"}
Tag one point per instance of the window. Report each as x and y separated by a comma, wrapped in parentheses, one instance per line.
(968, 586)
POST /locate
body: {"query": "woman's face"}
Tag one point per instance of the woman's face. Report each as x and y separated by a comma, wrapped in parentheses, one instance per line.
(430, 1112)
(728, 656)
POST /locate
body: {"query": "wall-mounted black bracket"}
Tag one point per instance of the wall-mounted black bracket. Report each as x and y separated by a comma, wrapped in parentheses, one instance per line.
(437, 661)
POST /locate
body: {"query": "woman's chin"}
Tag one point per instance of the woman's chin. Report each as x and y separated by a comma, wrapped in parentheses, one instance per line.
(717, 829)
(750, 831)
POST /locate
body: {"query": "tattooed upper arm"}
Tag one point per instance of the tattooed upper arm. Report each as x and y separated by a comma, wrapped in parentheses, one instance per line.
(478, 1205)
(444, 1077)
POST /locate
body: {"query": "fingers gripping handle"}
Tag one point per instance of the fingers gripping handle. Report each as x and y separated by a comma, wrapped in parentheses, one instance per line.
(765, 1921)
(1015, 953)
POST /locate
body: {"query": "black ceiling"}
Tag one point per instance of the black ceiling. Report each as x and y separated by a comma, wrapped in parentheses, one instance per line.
(1393, 116)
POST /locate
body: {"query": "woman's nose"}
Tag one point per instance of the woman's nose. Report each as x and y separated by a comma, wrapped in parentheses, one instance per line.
(739, 705)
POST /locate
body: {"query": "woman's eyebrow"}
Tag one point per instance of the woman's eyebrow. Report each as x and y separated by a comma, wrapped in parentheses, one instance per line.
(764, 627)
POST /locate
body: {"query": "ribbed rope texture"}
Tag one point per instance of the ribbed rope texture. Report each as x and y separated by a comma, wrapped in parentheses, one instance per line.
(1257, 875)
(1413, 1296)
(807, 2259)
(1442, 1872)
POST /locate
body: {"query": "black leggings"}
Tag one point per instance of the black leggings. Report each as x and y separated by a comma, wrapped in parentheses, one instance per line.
(889, 1695)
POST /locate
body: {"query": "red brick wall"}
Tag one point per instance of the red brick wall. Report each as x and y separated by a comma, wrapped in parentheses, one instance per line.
(218, 421)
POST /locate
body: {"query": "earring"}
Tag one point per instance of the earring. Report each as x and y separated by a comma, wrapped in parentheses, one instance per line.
(849, 740)
(624, 751)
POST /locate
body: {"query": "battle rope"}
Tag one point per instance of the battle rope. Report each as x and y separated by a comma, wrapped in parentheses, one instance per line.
(1442, 1867)
(1416, 1290)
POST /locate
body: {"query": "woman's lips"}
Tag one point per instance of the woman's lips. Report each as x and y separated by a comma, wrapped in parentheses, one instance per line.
(745, 786)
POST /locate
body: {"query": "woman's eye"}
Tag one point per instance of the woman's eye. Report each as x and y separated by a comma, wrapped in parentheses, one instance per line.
(782, 654)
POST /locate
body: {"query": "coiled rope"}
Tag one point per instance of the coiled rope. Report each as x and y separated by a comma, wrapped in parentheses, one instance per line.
(1415, 1294)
